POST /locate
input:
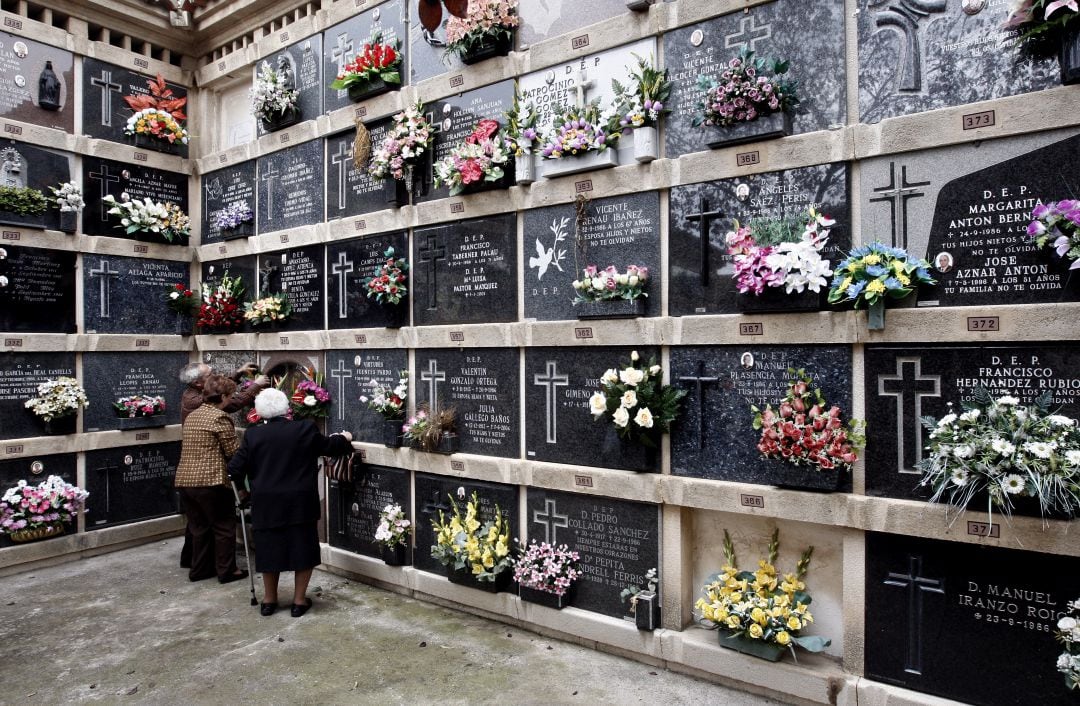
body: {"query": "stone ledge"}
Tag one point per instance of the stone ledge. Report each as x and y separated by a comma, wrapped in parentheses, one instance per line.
(126, 343)
(873, 693)
(39, 135)
(39, 31)
(138, 63)
(1018, 322)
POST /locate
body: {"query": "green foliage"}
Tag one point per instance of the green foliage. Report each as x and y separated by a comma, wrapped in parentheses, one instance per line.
(22, 200)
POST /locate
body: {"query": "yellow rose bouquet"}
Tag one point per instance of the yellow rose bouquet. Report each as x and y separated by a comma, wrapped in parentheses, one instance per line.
(467, 544)
(760, 613)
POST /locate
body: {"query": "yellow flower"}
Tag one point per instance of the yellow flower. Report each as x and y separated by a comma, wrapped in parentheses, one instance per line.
(756, 632)
(903, 279)
(871, 259)
(733, 622)
(477, 569)
(783, 638)
(489, 560)
(471, 524)
(876, 286)
(501, 549)
(736, 597)
(794, 623)
(759, 616)
(897, 266)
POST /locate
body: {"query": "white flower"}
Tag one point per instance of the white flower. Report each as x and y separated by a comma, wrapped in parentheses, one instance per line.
(621, 417)
(1072, 456)
(1002, 447)
(644, 418)
(1061, 420)
(631, 376)
(959, 476)
(610, 376)
(634, 356)
(654, 370)
(964, 451)
(971, 415)
(310, 401)
(1009, 400)
(1039, 448)
(1066, 624)
(946, 420)
(1013, 483)
(598, 404)
(629, 399)
(174, 295)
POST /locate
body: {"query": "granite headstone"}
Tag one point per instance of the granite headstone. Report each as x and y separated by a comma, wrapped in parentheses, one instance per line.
(350, 190)
(37, 290)
(354, 507)
(27, 166)
(29, 64)
(127, 295)
(227, 363)
(299, 274)
(344, 41)
(131, 483)
(110, 376)
(102, 177)
(305, 62)
(104, 110)
(224, 188)
(348, 378)
(35, 470)
(20, 374)
(350, 263)
(290, 187)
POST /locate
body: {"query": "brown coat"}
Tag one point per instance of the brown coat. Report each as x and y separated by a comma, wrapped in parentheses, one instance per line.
(209, 442)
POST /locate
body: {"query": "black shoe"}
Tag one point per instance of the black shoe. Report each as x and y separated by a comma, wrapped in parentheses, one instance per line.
(267, 609)
(298, 610)
(233, 577)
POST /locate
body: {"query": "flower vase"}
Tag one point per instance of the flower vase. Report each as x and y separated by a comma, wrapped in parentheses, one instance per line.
(182, 325)
(244, 230)
(277, 121)
(749, 646)
(370, 89)
(503, 182)
(69, 221)
(59, 426)
(627, 454)
(151, 422)
(490, 46)
(397, 555)
(647, 611)
(464, 577)
(576, 164)
(546, 598)
(875, 315)
(448, 444)
(1069, 56)
(396, 315)
(145, 141)
(646, 144)
(396, 192)
(610, 309)
(391, 433)
(793, 477)
(767, 127)
(525, 169)
(33, 534)
(774, 300)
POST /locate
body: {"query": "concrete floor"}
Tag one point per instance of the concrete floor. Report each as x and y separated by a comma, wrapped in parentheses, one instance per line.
(128, 627)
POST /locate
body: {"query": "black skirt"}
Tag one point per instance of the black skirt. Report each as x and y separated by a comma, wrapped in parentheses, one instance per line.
(290, 548)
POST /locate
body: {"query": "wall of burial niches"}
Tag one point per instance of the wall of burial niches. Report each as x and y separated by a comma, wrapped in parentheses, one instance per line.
(920, 126)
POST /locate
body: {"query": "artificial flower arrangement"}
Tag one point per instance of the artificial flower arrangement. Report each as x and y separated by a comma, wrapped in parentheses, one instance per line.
(388, 284)
(1042, 26)
(632, 591)
(181, 299)
(547, 569)
(773, 253)
(642, 103)
(1057, 225)
(221, 308)
(388, 402)
(272, 97)
(521, 133)
(37, 511)
(871, 273)
(309, 399)
(748, 88)
(759, 612)
(486, 30)
(636, 401)
(1004, 450)
(407, 142)
(576, 132)
(22, 200)
(393, 528)
(609, 283)
(271, 309)
(68, 197)
(483, 159)
(1068, 634)
(58, 398)
(429, 431)
(157, 115)
(233, 216)
(139, 406)
(466, 544)
(148, 216)
(375, 68)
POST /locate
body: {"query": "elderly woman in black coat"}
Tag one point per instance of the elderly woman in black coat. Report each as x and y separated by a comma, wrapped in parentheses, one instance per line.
(279, 459)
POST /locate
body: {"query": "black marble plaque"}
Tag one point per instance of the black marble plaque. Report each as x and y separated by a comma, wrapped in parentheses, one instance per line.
(27, 166)
(618, 540)
(110, 376)
(290, 187)
(245, 267)
(464, 272)
(916, 56)
(350, 190)
(20, 374)
(350, 262)
(226, 363)
(966, 622)
(23, 61)
(904, 383)
(481, 385)
(35, 470)
(714, 436)
(129, 484)
(223, 188)
(619, 231)
(39, 294)
(702, 277)
(305, 59)
(348, 378)
(344, 41)
(104, 111)
(354, 508)
(433, 494)
(102, 177)
(773, 30)
(298, 273)
(127, 294)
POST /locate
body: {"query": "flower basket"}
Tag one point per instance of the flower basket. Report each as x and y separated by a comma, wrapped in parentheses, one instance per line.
(370, 89)
(767, 127)
(397, 555)
(490, 46)
(284, 119)
(629, 455)
(610, 308)
(825, 480)
(69, 221)
(505, 182)
(546, 598)
(774, 300)
(1069, 56)
(145, 141)
(646, 144)
(465, 577)
(391, 433)
(587, 162)
(35, 533)
(151, 422)
(396, 193)
(59, 426)
(748, 646)
(647, 611)
(244, 230)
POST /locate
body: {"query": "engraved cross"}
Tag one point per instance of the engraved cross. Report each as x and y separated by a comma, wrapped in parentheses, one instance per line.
(909, 386)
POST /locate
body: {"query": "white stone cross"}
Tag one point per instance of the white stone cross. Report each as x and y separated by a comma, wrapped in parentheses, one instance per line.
(580, 87)
(342, 268)
(105, 272)
(433, 376)
(340, 160)
(341, 374)
(551, 380)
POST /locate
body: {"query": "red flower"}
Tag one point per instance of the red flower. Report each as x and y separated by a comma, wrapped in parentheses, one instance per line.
(470, 172)
(484, 130)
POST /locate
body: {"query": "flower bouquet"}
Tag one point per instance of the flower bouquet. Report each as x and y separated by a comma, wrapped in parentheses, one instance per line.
(389, 285)
(433, 432)
(546, 574)
(750, 101)
(1049, 28)
(999, 451)
(309, 399)
(234, 221)
(30, 512)
(221, 310)
(405, 148)
(140, 411)
(520, 136)
(609, 293)
(759, 613)
(585, 135)
(1057, 225)
(773, 253)
(270, 310)
(482, 162)
(158, 117)
(374, 71)
(69, 199)
(809, 435)
(485, 32)
(477, 553)
(392, 534)
(59, 399)
(871, 273)
(641, 105)
(150, 219)
(390, 404)
(644, 601)
(274, 98)
(1068, 634)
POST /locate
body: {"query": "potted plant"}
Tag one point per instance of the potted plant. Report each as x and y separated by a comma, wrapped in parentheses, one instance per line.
(871, 273)
(644, 602)
(611, 294)
(309, 399)
(392, 534)
(545, 574)
(388, 285)
(809, 435)
(1048, 28)
(157, 120)
(760, 613)
(999, 452)
(221, 310)
(18, 202)
(390, 404)
(268, 311)
(274, 98)
(69, 199)
(183, 302)
(406, 147)
(486, 31)
(481, 163)
(1055, 224)
(32, 512)
(58, 401)
(476, 551)
(1068, 634)
(150, 220)
(580, 141)
(434, 433)
(641, 105)
(234, 221)
(140, 411)
(638, 407)
(521, 136)
(374, 71)
(750, 101)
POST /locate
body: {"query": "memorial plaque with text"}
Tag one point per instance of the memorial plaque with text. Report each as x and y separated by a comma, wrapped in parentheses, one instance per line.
(299, 274)
(224, 188)
(245, 267)
(350, 263)
(27, 166)
(31, 84)
(345, 41)
(350, 190)
(127, 295)
(104, 111)
(227, 363)
(290, 187)
(20, 374)
(103, 177)
(354, 508)
(110, 376)
(303, 64)
(618, 540)
(39, 294)
(348, 378)
(129, 484)
(35, 470)
(433, 494)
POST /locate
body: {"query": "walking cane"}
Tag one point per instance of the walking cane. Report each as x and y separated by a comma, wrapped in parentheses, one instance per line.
(243, 529)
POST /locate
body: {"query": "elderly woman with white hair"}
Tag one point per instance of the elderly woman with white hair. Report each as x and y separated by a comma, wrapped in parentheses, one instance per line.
(279, 458)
